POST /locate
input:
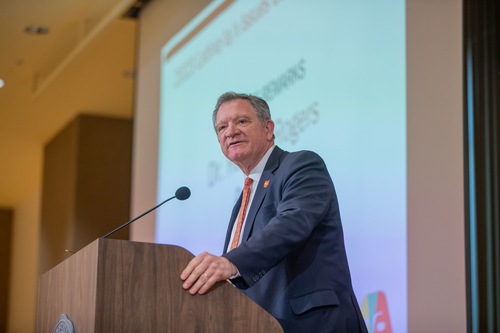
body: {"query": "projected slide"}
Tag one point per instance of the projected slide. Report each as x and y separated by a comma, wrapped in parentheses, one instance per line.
(333, 73)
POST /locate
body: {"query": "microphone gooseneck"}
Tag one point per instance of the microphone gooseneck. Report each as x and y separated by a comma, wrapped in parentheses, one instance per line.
(182, 193)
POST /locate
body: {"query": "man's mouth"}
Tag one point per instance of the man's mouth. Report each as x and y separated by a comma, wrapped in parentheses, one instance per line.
(233, 143)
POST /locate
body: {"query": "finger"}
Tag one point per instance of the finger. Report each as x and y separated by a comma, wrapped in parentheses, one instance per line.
(203, 283)
(196, 268)
(194, 277)
(207, 285)
(219, 269)
(190, 267)
(204, 271)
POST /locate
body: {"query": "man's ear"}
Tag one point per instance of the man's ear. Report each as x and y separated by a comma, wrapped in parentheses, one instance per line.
(269, 129)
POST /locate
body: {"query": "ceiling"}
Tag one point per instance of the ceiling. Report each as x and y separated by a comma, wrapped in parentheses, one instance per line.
(85, 63)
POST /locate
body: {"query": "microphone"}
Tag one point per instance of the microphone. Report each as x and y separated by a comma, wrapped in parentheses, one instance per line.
(182, 193)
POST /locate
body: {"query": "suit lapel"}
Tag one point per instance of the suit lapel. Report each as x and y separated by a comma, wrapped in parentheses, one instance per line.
(261, 191)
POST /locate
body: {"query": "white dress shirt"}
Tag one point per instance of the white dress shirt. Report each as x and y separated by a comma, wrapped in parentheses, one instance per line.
(255, 174)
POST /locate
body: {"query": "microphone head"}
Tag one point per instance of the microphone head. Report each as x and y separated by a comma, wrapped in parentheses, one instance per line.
(182, 193)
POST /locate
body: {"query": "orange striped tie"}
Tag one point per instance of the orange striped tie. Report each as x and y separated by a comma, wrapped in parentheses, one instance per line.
(243, 210)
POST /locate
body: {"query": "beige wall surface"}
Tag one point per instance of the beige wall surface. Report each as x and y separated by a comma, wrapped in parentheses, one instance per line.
(155, 31)
(436, 239)
(24, 265)
(6, 217)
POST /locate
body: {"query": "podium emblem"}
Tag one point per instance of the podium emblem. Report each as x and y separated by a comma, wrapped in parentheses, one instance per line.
(64, 325)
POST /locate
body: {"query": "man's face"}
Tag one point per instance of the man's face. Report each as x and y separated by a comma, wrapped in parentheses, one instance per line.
(242, 137)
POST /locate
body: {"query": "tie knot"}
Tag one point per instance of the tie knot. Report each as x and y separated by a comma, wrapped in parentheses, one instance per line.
(248, 181)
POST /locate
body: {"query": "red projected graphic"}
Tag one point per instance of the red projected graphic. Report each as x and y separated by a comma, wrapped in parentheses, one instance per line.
(376, 313)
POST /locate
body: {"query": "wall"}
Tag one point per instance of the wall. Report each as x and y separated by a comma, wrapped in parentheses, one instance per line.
(6, 216)
(24, 265)
(154, 33)
(86, 185)
(90, 173)
(436, 240)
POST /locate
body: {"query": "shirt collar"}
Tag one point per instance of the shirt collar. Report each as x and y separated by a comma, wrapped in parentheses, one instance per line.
(259, 168)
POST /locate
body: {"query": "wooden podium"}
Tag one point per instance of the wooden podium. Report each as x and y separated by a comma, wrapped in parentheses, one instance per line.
(123, 286)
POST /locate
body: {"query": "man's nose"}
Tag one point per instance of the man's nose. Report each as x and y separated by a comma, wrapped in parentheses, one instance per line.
(231, 130)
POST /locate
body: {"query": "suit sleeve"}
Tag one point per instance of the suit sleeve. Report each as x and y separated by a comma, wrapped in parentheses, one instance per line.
(302, 193)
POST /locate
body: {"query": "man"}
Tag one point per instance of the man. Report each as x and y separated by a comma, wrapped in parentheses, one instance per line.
(289, 256)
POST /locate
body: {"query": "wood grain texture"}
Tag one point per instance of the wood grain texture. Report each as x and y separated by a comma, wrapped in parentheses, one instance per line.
(137, 288)
(70, 288)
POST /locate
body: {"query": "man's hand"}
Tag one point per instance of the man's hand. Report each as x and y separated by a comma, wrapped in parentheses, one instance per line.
(204, 271)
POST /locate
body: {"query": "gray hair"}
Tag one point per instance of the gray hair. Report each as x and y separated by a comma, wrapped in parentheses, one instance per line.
(258, 104)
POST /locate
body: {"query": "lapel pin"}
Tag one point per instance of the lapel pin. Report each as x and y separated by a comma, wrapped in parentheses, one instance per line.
(266, 183)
